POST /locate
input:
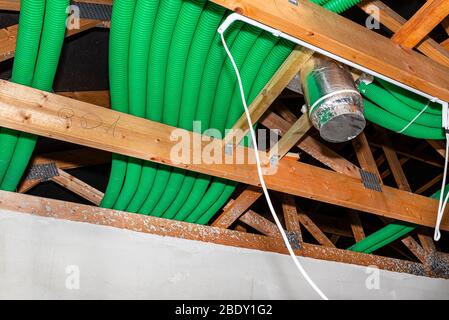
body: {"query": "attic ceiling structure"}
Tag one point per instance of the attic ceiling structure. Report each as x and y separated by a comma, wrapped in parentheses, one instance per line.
(366, 202)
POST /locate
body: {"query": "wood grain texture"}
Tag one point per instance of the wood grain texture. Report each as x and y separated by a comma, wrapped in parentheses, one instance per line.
(62, 118)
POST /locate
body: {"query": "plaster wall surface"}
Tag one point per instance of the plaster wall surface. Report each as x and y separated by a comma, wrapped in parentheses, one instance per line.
(45, 258)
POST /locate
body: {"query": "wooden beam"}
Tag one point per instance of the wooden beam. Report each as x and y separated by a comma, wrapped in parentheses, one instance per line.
(99, 98)
(422, 23)
(313, 147)
(146, 224)
(356, 226)
(314, 230)
(75, 158)
(78, 187)
(291, 137)
(401, 181)
(342, 37)
(67, 159)
(291, 66)
(8, 37)
(58, 117)
(259, 223)
(424, 158)
(291, 214)
(429, 184)
(14, 5)
(439, 147)
(237, 207)
(395, 166)
(394, 22)
(26, 185)
(365, 156)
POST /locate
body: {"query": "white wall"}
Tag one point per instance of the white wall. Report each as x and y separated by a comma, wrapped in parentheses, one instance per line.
(116, 263)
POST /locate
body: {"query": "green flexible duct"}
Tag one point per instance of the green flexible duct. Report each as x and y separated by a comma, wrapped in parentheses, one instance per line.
(413, 100)
(27, 46)
(173, 99)
(386, 235)
(390, 121)
(139, 48)
(209, 83)
(210, 20)
(319, 2)
(250, 67)
(160, 45)
(241, 47)
(395, 106)
(340, 6)
(210, 13)
(47, 62)
(271, 64)
(186, 26)
(121, 22)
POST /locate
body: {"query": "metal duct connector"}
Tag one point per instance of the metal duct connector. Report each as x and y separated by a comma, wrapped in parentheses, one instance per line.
(335, 106)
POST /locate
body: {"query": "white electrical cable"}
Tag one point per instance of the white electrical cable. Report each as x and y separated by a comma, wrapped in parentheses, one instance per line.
(277, 33)
(260, 173)
(442, 204)
(414, 119)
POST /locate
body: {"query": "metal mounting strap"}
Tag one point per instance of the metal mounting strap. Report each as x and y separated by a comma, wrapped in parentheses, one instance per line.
(370, 180)
(42, 171)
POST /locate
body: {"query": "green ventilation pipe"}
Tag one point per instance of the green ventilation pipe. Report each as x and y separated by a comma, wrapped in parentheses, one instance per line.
(189, 78)
(27, 46)
(52, 38)
(121, 22)
(35, 65)
(139, 48)
(387, 234)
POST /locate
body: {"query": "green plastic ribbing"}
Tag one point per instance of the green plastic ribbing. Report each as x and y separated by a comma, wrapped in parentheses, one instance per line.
(390, 121)
(387, 101)
(241, 47)
(269, 67)
(387, 234)
(50, 48)
(157, 67)
(186, 27)
(27, 46)
(248, 70)
(121, 22)
(201, 44)
(413, 100)
(340, 6)
(139, 49)
(319, 2)
(209, 82)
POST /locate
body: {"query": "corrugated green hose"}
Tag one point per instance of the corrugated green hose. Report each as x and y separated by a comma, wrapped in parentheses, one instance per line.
(50, 48)
(269, 67)
(121, 22)
(388, 234)
(390, 121)
(160, 45)
(413, 100)
(209, 84)
(340, 6)
(250, 66)
(210, 20)
(139, 48)
(195, 184)
(387, 101)
(223, 96)
(185, 29)
(27, 46)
